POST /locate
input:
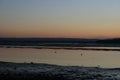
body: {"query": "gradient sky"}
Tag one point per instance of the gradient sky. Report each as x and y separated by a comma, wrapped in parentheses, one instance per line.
(60, 18)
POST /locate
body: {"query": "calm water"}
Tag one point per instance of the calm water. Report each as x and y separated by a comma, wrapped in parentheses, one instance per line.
(62, 57)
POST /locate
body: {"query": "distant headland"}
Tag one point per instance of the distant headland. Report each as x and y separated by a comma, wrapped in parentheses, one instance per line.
(61, 42)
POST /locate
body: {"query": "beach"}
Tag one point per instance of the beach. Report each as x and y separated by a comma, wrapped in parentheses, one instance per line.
(41, 71)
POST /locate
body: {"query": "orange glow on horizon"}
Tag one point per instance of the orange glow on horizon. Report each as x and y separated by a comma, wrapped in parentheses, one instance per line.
(45, 18)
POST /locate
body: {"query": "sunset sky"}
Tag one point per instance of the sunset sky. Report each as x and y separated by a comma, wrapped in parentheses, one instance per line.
(60, 18)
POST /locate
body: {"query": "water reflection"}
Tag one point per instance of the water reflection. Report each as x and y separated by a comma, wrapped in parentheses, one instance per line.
(61, 56)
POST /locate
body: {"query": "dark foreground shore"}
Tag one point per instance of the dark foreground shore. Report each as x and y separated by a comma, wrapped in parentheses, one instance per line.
(34, 71)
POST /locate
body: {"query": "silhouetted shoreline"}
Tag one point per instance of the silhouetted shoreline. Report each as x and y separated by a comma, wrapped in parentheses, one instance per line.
(60, 42)
(67, 48)
(41, 71)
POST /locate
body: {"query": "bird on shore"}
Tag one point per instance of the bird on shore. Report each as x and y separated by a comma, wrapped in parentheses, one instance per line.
(81, 54)
(55, 52)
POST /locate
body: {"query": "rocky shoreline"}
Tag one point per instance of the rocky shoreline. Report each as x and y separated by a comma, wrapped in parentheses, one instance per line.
(41, 71)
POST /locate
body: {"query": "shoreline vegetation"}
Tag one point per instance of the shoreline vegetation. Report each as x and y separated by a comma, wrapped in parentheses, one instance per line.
(41, 71)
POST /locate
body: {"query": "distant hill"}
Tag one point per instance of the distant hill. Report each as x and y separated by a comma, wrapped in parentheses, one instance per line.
(60, 42)
(48, 40)
(114, 40)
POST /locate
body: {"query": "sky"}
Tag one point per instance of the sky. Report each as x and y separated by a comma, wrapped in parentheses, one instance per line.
(60, 18)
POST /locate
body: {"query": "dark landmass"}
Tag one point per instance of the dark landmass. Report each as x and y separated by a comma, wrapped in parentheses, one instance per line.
(49, 40)
(61, 42)
(111, 41)
(45, 41)
(35, 71)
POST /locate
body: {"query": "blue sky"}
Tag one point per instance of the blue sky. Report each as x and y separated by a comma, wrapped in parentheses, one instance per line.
(60, 18)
